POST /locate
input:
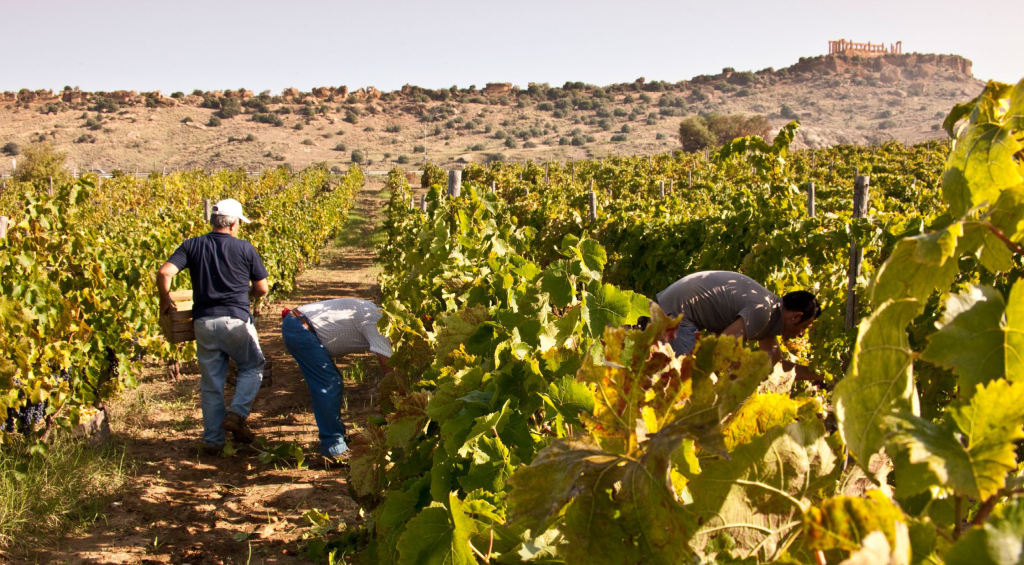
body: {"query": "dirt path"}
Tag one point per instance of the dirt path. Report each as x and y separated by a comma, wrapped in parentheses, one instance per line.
(185, 507)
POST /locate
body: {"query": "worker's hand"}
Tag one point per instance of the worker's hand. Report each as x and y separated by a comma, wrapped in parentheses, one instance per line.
(806, 374)
(167, 305)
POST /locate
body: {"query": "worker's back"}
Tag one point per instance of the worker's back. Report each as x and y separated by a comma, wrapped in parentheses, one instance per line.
(711, 300)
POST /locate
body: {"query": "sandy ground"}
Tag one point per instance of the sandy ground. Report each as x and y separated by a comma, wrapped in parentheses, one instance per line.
(181, 506)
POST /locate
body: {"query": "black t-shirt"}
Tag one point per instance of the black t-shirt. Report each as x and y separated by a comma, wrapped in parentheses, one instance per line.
(221, 267)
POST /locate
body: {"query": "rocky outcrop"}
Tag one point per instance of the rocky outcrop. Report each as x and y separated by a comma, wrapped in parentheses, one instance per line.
(497, 88)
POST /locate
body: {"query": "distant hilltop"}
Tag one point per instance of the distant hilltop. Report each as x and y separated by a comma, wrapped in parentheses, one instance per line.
(859, 60)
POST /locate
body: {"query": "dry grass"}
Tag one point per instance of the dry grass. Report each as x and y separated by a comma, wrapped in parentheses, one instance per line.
(45, 494)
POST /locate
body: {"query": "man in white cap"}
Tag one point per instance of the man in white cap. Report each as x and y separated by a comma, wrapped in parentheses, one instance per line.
(226, 272)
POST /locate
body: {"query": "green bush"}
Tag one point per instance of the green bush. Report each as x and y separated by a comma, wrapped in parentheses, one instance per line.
(40, 163)
(250, 137)
(104, 104)
(351, 117)
(307, 141)
(272, 119)
(626, 128)
(393, 129)
(86, 138)
(358, 156)
(186, 119)
(478, 147)
(887, 124)
(619, 137)
(660, 136)
(402, 159)
(620, 112)
(214, 121)
(727, 127)
(694, 134)
(511, 143)
(788, 112)
(11, 149)
(229, 108)
(545, 106)
(529, 145)
(419, 149)
(340, 147)
(298, 126)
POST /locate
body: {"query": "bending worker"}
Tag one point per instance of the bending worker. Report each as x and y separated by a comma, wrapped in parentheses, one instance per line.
(222, 267)
(315, 333)
(728, 303)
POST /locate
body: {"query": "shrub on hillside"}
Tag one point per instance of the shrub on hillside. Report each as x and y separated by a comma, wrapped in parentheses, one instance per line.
(402, 159)
(307, 141)
(694, 134)
(727, 127)
(419, 149)
(788, 112)
(229, 108)
(214, 121)
(272, 119)
(393, 128)
(340, 147)
(351, 117)
(358, 156)
(104, 104)
(40, 163)
(619, 137)
(11, 149)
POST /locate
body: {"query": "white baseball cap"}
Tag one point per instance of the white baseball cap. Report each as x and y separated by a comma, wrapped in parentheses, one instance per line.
(229, 207)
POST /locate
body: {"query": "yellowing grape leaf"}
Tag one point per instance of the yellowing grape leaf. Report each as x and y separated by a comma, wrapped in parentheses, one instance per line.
(759, 494)
(408, 420)
(916, 267)
(972, 453)
(880, 380)
(843, 522)
(762, 412)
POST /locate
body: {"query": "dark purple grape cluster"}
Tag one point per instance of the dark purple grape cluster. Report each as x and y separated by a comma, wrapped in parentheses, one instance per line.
(24, 418)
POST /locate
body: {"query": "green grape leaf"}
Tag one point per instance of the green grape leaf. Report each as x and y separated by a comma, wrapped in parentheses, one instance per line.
(403, 503)
(990, 251)
(999, 541)
(408, 420)
(1008, 212)
(760, 493)
(438, 536)
(562, 332)
(843, 522)
(982, 164)
(970, 340)
(974, 457)
(1015, 333)
(490, 466)
(555, 281)
(607, 305)
(570, 397)
(880, 380)
(916, 267)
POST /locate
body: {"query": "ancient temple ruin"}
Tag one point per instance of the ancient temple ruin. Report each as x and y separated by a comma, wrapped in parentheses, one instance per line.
(844, 47)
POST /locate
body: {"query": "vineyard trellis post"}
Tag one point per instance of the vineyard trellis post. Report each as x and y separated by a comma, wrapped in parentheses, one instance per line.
(51, 187)
(545, 173)
(671, 186)
(593, 202)
(494, 187)
(207, 210)
(423, 202)
(860, 209)
(661, 188)
(689, 175)
(454, 183)
(810, 199)
(4, 223)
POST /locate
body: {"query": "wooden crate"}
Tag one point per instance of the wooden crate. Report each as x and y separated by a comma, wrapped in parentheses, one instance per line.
(177, 327)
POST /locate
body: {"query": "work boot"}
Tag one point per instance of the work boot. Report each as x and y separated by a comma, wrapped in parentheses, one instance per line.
(236, 425)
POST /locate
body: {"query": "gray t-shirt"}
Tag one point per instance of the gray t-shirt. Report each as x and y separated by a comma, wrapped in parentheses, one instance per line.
(711, 300)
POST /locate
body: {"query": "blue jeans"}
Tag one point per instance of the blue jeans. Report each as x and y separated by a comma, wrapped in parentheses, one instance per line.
(685, 340)
(323, 380)
(217, 339)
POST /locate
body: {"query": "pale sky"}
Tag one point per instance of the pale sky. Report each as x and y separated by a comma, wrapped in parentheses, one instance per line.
(260, 45)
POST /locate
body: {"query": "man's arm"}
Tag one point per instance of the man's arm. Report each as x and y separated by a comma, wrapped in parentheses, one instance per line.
(259, 289)
(384, 367)
(163, 284)
(738, 328)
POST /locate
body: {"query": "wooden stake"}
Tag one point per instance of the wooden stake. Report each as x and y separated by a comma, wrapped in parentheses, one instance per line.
(423, 202)
(593, 203)
(810, 199)
(494, 187)
(4, 224)
(860, 209)
(207, 209)
(689, 175)
(661, 188)
(454, 183)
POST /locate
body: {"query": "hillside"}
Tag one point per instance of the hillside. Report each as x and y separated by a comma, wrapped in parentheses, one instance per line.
(837, 98)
